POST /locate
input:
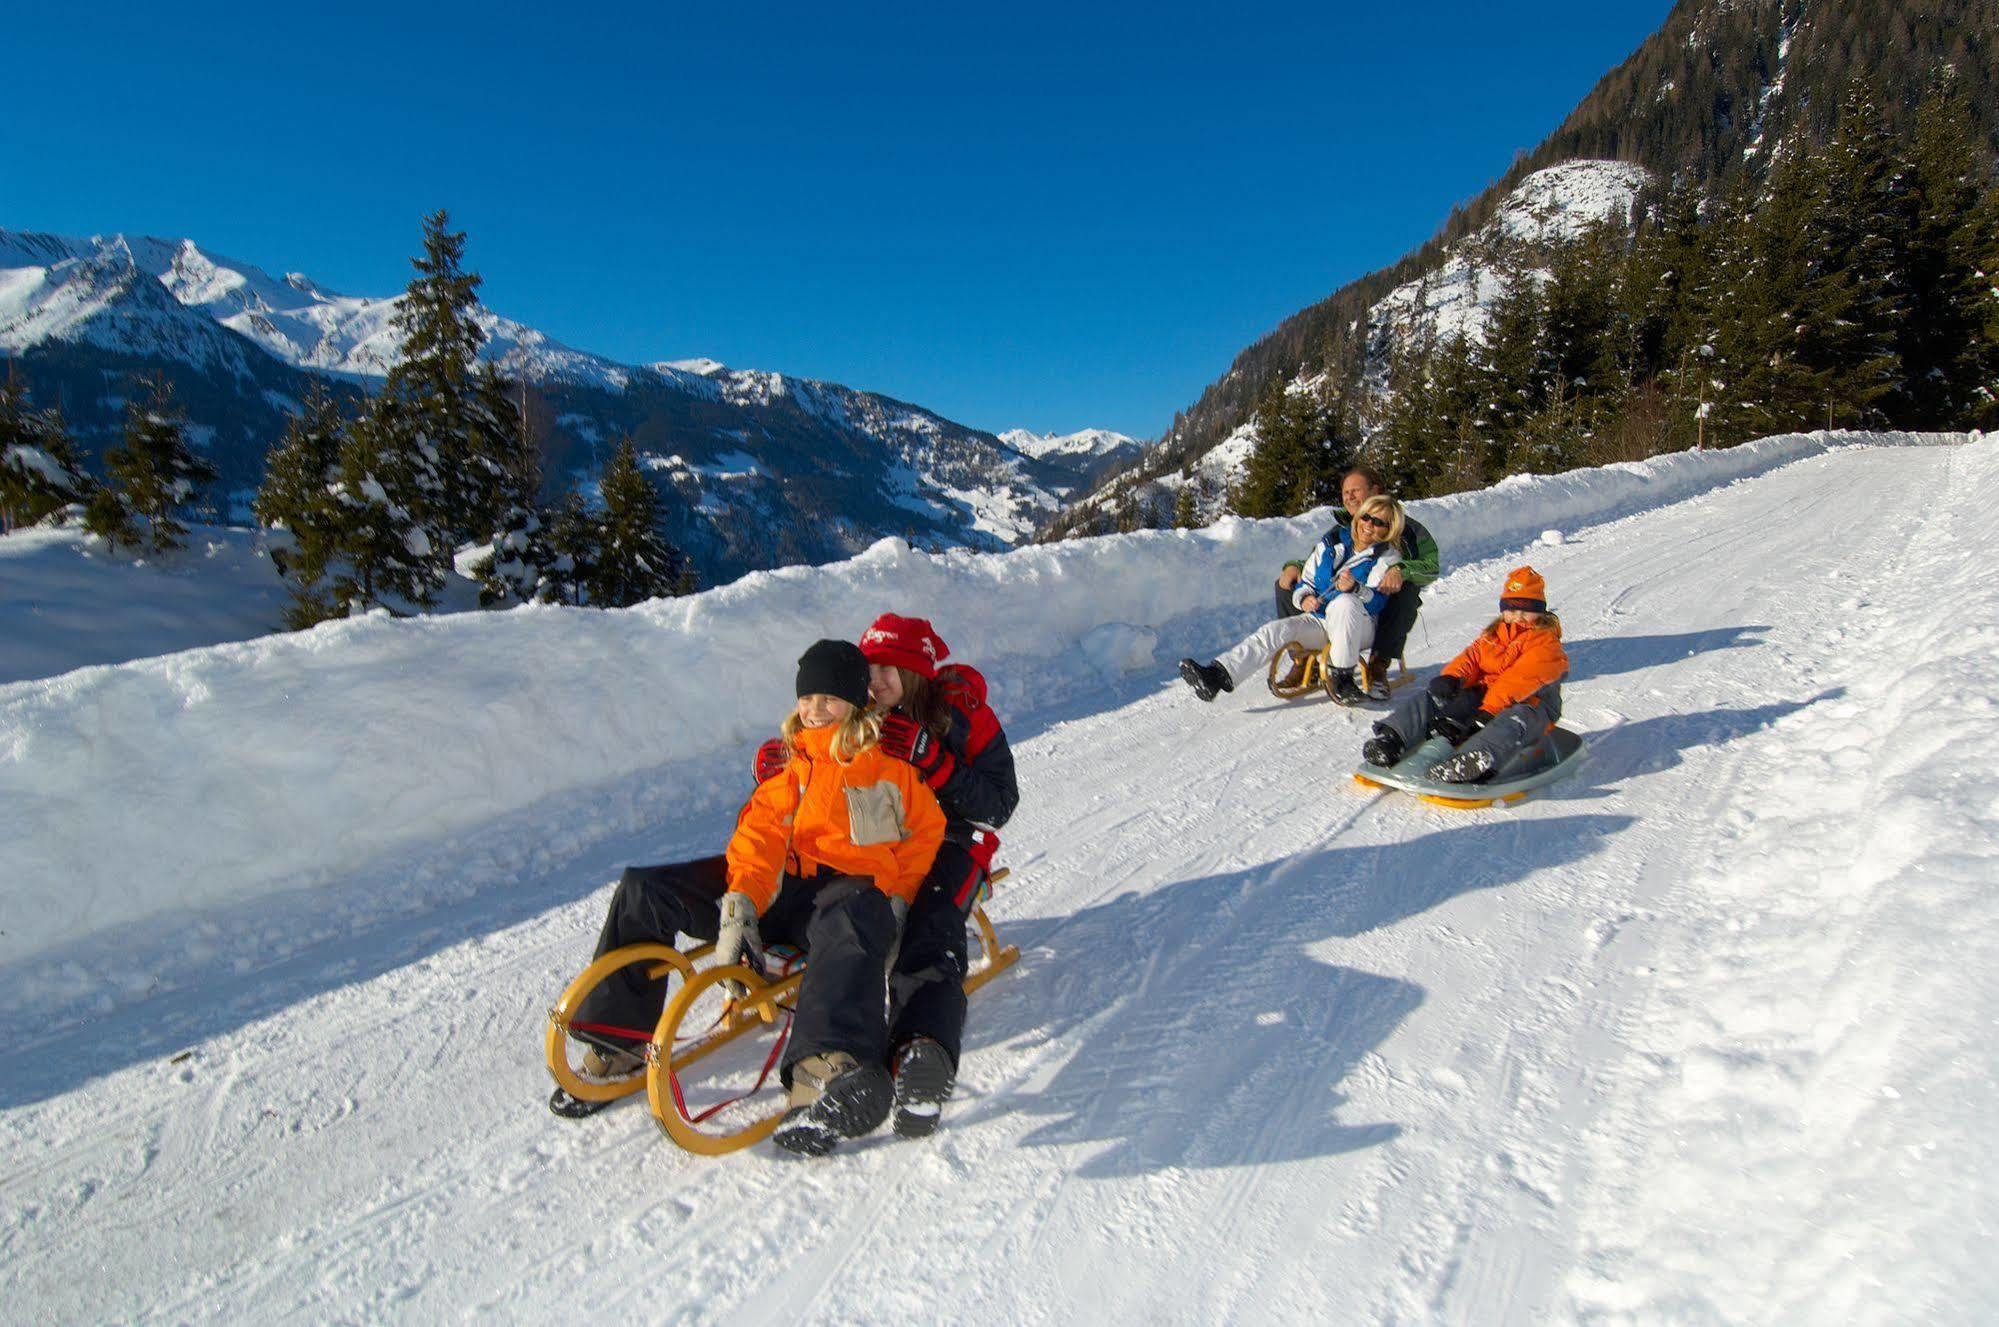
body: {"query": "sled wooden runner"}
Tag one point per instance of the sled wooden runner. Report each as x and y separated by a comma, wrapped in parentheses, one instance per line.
(688, 1033)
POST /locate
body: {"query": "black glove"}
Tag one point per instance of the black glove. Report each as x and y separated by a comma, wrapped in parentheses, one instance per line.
(1453, 728)
(771, 758)
(906, 739)
(1443, 686)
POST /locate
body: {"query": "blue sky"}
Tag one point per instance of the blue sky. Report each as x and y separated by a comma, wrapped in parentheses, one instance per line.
(1053, 217)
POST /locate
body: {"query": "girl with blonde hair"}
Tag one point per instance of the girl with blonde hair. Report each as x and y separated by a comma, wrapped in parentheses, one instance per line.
(1339, 598)
(826, 857)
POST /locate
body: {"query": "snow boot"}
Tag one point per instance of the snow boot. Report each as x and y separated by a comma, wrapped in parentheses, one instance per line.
(832, 1097)
(923, 1078)
(1382, 749)
(1374, 679)
(1208, 680)
(603, 1062)
(1467, 766)
(1341, 687)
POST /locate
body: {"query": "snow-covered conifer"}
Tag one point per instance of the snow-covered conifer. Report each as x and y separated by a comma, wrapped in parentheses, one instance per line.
(298, 505)
(154, 472)
(387, 554)
(635, 561)
(39, 473)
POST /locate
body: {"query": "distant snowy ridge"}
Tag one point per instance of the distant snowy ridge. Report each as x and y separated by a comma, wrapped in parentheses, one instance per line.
(838, 466)
(1086, 444)
(304, 755)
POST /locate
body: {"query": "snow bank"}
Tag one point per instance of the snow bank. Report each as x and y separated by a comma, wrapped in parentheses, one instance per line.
(67, 602)
(215, 776)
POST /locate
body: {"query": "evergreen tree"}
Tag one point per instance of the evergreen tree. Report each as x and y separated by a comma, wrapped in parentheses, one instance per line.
(106, 516)
(1516, 374)
(153, 470)
(1849, 313)
(39, 473)
(1458, 442)
(439, 405)
(1720, 334)
(518, 569)
(1186, 511)
(575, 538)
(1297, 458)
(296, 503)
(1404, 449)
(1947, 343)
(636, 562)
(387, 557)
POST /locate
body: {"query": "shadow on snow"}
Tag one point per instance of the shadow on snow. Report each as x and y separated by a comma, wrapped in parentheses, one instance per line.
(1207, 1033)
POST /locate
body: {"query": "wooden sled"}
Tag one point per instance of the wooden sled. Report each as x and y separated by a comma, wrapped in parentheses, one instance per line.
(1552, 758)
(701, 1022)
(1311, 672)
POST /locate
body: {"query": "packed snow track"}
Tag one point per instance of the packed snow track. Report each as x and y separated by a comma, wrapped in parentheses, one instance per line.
(1700, 1034)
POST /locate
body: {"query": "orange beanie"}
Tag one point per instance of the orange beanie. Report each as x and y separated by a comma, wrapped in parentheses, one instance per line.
(1525, 591)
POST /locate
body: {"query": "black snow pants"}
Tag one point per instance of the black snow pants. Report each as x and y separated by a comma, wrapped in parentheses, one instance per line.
(1391, 629)
(842, 922)
(1506, 734)
(927, 988)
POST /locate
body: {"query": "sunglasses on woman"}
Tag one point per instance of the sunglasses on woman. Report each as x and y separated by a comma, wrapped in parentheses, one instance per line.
(1374, 520)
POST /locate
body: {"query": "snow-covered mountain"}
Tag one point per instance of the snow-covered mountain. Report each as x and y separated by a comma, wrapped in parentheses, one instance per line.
(1701, 1034)
(1550, 207)
(1090, 446)
(758, 468)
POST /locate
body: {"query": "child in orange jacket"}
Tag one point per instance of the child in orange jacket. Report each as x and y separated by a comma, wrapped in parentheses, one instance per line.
(827, 855)
(1501, 695)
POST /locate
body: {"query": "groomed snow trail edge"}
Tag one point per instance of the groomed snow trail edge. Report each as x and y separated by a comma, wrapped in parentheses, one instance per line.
(1696, 1036)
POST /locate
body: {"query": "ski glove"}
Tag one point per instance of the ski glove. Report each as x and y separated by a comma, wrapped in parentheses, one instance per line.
(906, 739)
(1456, 728)
(738, 938)
(771, 759)
(1443, 686)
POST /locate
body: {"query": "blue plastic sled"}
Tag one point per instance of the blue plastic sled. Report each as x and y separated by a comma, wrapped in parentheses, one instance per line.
(1551, 758)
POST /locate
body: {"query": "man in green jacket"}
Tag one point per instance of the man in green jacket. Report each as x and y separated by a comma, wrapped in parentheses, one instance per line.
(1421, 564)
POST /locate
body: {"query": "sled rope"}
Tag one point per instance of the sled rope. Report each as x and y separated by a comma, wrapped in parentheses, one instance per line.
(611, 1030)
(770, 1062)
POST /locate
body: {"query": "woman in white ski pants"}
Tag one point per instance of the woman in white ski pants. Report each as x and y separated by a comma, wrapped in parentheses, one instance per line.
(1339, 593)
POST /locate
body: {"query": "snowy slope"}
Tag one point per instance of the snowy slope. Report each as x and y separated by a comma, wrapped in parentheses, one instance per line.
(1694, 1037)
(65, 602)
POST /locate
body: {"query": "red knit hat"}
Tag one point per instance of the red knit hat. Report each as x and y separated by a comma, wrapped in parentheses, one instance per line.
(906, 642)
(1525, 591)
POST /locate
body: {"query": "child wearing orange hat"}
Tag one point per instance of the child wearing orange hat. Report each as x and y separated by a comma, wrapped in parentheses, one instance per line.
(1499, 696)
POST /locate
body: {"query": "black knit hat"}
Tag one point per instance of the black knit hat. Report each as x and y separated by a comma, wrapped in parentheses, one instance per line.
(834, 668)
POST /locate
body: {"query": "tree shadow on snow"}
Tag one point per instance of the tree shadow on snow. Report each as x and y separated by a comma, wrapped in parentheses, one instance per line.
(1607, 656)
(1207, 1033)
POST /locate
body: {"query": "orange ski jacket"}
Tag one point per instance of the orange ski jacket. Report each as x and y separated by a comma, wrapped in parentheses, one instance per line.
(869, 816)
(1511, 663)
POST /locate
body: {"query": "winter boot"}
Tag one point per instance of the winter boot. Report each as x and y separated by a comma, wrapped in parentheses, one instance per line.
(1467, 766)
(1295, 679)
(923, 1078)
(1382, 749)
(1374, 679)
(609, 1062)
(603, 1062)
(832, 1097)
(1208, 680)
(1340, 686)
